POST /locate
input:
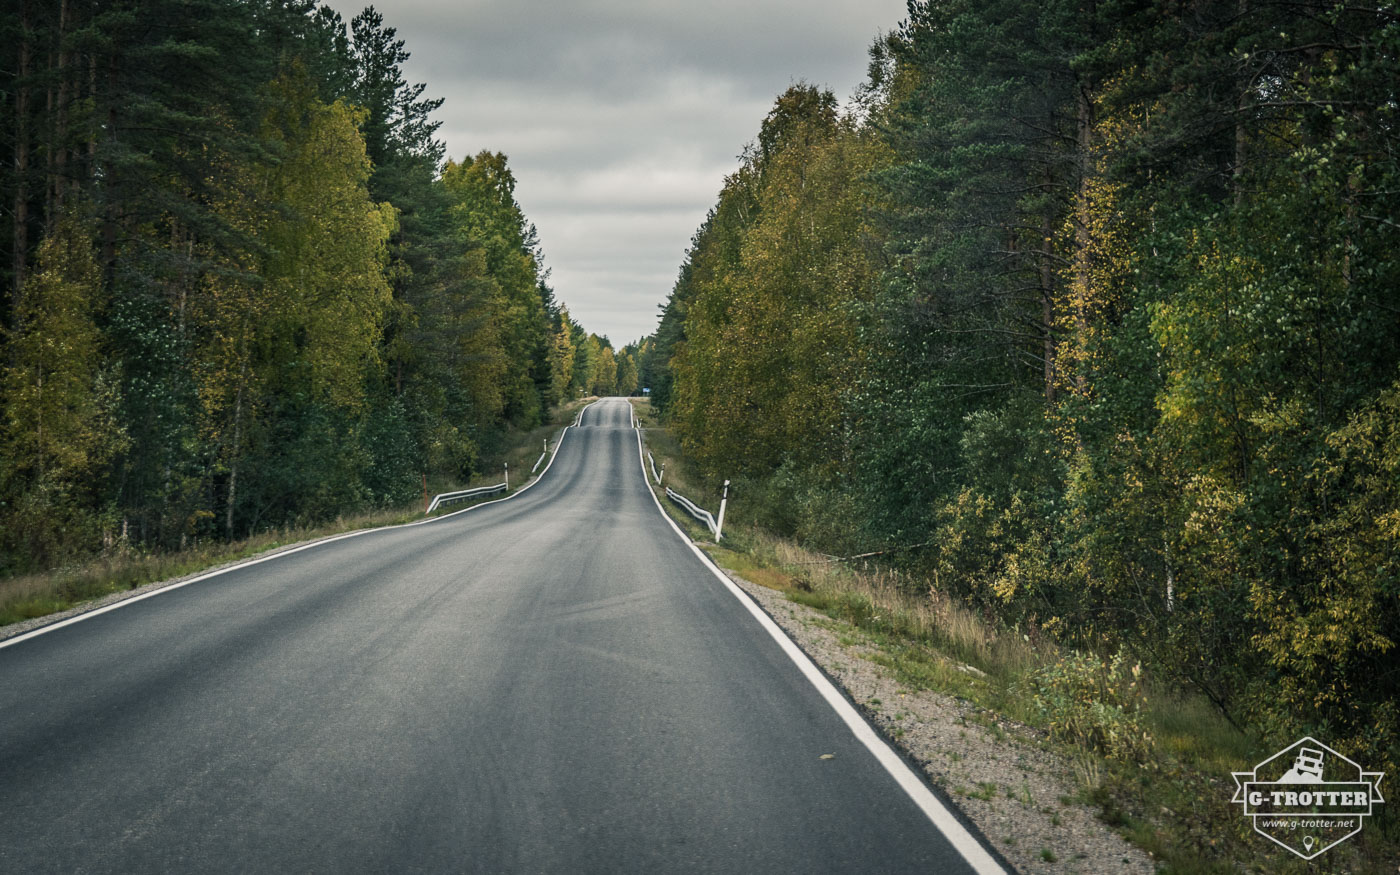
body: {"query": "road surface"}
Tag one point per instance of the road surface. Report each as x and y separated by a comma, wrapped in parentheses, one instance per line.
(551, 683)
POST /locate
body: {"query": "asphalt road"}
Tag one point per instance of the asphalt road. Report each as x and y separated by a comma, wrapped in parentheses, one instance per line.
(552, 683)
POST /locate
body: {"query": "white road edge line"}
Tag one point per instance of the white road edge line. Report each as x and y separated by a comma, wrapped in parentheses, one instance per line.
(34, 633)
(943, 820)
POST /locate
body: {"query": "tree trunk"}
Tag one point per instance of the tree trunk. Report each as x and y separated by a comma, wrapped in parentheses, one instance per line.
(233, 461)
(59, 147)
(21, 211)
(1047, 306)
(46, 142)
(1082, 237)
(110, 210)
(92, 132)
(236, 446)
(1241, 134)
(39, 427)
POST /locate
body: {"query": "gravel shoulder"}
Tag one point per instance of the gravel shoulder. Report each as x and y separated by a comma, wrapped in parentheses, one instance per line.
(999, 773)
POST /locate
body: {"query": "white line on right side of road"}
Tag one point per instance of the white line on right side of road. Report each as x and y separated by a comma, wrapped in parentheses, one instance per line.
(943, 820)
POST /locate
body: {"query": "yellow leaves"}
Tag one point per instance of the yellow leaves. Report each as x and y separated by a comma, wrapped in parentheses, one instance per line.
(1096, 272)
(300, 312)
(1211, 504)
(772, 327)
(1093, 702)
(59, 406)
(1327, 628)
(561, 357)
(327, 271)
(604, 372)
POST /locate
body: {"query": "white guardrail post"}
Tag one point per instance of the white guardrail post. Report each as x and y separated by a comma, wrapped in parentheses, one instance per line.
(719, 526)
(542, 455)
(507, 476)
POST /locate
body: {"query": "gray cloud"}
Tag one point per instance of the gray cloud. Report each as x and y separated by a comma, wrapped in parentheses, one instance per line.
(622, 117)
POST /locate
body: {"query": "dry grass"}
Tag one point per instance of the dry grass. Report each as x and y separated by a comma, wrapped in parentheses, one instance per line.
(901, 605)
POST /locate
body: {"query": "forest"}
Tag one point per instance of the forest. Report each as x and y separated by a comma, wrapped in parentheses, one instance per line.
(1085, 315)
(243, 286)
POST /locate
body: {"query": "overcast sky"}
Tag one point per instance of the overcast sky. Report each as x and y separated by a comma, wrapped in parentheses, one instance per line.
(621, 118)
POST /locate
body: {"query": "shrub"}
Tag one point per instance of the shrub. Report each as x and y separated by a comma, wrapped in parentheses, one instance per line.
(1095, 703)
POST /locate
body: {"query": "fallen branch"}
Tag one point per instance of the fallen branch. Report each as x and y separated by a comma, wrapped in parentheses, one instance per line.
(830, 559)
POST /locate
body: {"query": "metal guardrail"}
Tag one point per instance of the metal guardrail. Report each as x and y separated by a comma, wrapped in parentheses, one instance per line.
(704, 516)
(693, 509)
(465, 494)
(655, 476)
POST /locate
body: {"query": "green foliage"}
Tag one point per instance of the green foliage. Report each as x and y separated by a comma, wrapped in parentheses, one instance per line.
(561, 359)
(604, 372)
(289, 342)
(1329, 635)
(55, 411)
(59, 430)
(484, 213)
(626, 382)
(772, 329)
(394, 457)
(1095, 703)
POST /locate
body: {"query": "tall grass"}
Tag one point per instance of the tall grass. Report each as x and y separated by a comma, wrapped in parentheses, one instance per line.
(903, 606)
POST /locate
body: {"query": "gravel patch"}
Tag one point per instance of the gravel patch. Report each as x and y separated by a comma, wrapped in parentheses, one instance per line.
(1010, 787)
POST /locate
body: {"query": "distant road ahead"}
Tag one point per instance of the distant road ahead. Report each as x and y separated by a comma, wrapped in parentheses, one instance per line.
(554, 683)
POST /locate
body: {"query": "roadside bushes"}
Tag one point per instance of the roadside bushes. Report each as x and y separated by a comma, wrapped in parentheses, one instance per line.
(1095, 703)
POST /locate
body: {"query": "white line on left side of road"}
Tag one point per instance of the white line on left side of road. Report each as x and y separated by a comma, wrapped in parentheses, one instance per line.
(42, 630)
(947, 823)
